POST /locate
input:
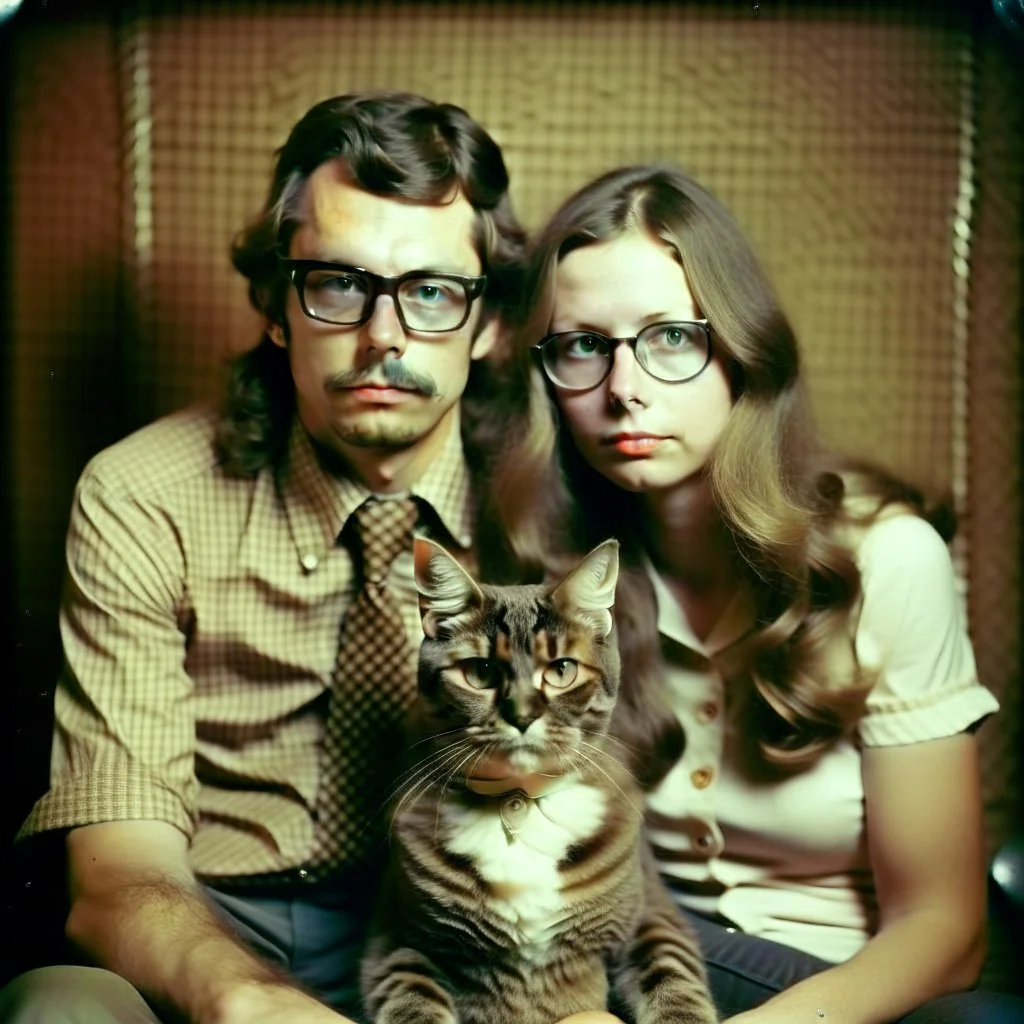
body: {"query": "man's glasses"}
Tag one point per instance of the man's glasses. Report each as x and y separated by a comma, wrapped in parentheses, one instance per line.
(674, 352)
(424, 301)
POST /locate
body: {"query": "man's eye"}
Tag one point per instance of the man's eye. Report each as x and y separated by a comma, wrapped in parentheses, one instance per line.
(430, 293)
(337, 285)
(561, 672)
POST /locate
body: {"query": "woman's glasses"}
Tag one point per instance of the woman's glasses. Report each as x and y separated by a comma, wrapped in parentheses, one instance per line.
(674, 352)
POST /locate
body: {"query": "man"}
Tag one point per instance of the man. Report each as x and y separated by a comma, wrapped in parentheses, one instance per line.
(204, 761)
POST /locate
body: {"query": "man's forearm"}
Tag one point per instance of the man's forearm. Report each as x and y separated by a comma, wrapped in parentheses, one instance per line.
(164, 937)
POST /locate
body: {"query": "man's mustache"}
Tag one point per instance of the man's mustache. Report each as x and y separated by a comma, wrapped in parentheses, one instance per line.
(392, 373)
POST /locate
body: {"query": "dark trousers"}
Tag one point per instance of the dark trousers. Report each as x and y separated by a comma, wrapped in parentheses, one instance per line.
(745, 970)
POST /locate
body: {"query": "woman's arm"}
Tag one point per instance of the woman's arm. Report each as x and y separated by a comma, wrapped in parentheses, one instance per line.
(925, 837)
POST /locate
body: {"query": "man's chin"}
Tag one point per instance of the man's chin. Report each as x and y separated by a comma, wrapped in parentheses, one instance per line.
(383, 438)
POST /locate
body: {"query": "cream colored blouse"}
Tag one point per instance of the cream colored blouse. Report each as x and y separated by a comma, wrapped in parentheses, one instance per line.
(788, 860)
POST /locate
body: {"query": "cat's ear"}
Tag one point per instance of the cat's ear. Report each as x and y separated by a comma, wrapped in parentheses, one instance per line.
(589, 590)
(445, 588)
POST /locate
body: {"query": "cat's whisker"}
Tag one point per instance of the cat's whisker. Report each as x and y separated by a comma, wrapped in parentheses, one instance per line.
(437, 736)
(444, 789)
(624, 794)
(422, 765)
(422, 782)
(611, 757)
(613, 739)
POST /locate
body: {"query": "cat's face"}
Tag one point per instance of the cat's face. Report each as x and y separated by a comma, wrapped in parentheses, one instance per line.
(516, 679)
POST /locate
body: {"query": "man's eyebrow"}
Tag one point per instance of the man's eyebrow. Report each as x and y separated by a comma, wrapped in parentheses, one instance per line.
(437, 268)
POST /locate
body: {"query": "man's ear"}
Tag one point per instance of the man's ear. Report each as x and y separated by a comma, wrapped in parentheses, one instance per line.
(487, 337)
(276, 334)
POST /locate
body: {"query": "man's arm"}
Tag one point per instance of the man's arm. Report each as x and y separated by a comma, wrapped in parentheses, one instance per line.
(137, 910)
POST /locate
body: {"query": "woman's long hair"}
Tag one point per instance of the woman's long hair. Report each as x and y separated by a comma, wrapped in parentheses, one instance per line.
(780, 496)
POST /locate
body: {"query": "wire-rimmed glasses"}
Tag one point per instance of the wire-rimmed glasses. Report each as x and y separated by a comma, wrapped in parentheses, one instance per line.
(674, 351)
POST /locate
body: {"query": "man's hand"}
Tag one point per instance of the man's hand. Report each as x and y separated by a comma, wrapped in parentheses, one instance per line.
(274, 1004)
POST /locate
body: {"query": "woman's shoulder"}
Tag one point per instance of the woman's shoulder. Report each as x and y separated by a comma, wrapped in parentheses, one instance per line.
(896, 536)
(911, 633)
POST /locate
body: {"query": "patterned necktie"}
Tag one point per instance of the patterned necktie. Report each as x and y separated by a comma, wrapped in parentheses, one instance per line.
(373, 687)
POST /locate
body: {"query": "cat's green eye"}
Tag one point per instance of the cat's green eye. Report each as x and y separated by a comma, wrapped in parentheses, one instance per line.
(479, 672)
(561, 672)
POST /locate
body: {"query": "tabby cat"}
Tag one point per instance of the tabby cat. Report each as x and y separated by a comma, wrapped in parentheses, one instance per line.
(520, 889)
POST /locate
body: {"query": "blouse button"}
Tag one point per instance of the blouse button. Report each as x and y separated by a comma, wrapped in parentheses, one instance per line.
(701, 778)
(707, 712)
(704, 840)
(309, 562)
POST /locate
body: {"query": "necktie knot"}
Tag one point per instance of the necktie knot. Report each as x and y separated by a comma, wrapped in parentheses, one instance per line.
(384, 528)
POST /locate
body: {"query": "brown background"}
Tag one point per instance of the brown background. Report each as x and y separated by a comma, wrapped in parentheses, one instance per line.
(873, 152)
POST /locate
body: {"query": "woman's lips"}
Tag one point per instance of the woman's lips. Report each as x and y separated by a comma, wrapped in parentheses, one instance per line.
(635, 445)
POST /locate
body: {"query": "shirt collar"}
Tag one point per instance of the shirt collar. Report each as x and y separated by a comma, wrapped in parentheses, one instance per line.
(319, 502)
(735, 620)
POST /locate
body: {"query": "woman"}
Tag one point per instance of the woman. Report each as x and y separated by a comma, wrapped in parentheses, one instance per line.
(795, 619)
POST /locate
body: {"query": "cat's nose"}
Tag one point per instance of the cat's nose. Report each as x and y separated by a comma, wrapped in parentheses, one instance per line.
(519, 718)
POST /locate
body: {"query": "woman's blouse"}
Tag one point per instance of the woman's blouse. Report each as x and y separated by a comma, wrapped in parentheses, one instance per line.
(787, 860)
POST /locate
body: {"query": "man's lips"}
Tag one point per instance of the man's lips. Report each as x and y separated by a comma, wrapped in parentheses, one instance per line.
(379, 394)
(634, 444)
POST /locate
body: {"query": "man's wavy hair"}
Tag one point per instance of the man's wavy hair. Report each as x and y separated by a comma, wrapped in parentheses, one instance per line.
(782, 498)
(392, 144)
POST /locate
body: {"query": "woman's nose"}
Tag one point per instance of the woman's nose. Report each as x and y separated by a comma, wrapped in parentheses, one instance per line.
(627, 381)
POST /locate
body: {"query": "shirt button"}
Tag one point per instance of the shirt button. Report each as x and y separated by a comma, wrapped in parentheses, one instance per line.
(704, 840)
(309, 562)
(707, 712)
(303, 874)
(701, 778)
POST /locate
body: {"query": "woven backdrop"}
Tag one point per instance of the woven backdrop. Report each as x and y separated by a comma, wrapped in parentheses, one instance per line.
(873, 153)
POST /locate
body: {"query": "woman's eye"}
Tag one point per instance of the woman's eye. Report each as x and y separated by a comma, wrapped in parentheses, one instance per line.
(561, 672)
(670, 338)
(584, 345)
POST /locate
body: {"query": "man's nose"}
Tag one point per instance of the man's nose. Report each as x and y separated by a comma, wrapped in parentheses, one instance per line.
(384, 331)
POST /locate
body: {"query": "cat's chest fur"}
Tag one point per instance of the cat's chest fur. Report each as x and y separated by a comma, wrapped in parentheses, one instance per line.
(516, 843)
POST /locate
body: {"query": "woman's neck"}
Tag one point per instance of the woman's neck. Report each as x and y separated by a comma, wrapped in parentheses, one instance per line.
(693, 550)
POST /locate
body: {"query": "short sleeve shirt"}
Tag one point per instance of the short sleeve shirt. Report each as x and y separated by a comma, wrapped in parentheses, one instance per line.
(788, 860)
(200, 627)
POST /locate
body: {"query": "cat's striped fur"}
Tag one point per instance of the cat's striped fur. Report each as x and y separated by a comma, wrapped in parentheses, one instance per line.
(520, 888)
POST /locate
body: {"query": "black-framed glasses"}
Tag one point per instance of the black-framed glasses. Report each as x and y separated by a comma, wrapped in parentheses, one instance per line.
(424, 301)
(674, 352)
